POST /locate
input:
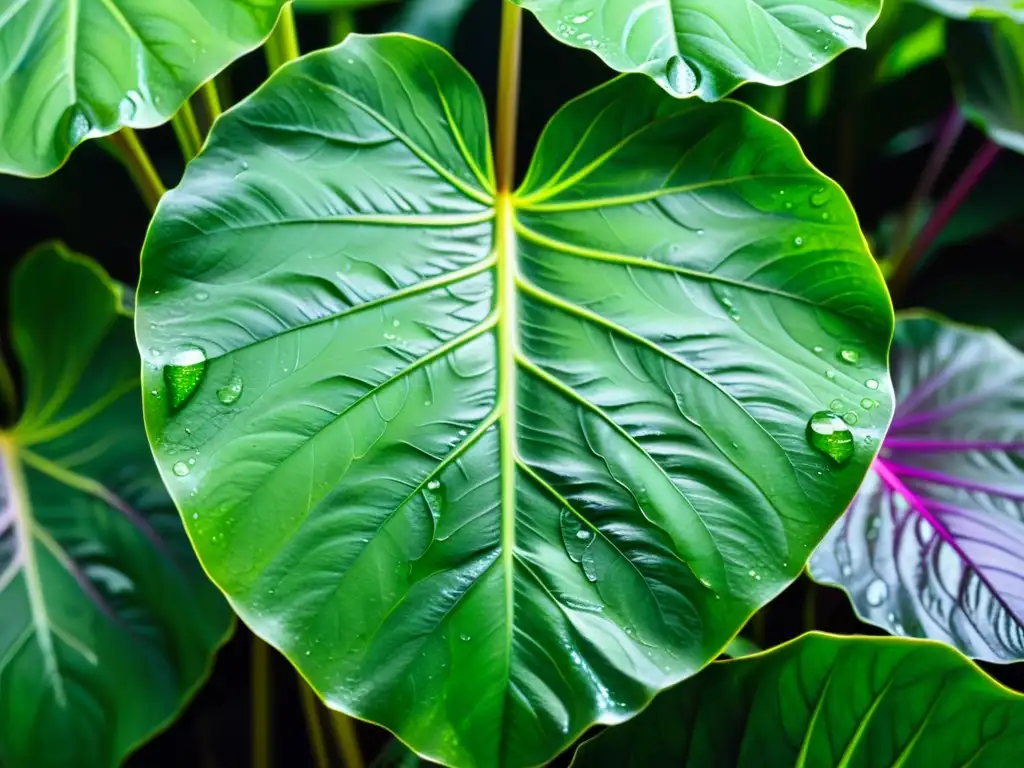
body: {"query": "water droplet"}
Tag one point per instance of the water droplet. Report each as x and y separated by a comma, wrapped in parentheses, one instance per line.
(818, 350)
(580, 18)
(836, 405)
(821, 197)
(681, 78)
(465, 638)
(826, 216)
(798, 241)
(850, 418)
(155, 352)
(867, 403)
(396, 322)
(843, 22)
(845, 570)
(229, 394)
(195, 515)
(828, 433)
(433, 485)
(184, 375)
(851, 356)
(582, 535)
(830, 375)
(180, 468)
(871, 384)
(202, 296)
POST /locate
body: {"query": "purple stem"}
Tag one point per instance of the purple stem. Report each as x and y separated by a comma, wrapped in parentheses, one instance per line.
(974, 173)
(952, 446)
(941, 478)
(949, 133)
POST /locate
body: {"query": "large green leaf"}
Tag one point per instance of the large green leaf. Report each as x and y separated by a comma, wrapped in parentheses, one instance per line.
(987, 63)
(826, 701)
(977, 9)
(709, 47)
(72, 70)
(487, 467)
(930, 547)
(107, 624)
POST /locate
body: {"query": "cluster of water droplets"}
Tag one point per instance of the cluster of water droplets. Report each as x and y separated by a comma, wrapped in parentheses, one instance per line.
(828, 431)
(573, 29)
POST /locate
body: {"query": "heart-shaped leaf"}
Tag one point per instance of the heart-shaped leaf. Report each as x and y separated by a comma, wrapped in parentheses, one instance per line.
(977, 9)
(825, 701)
(492, 467)
(107, 624)
(72, 70)
(933, 545)
(707, 48)
(987, 63)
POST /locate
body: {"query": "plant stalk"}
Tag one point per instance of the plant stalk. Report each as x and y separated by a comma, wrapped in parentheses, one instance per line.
(508, 95)
(949, 133)
(8, 393)
(187, 130)
(347, 739)
(262, 739)
(283, 44)
(133, 157)
(343, 23)
(314, 725)
(211, 102)
(968, 180)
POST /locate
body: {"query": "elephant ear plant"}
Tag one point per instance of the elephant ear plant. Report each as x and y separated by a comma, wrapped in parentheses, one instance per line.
(490, 461)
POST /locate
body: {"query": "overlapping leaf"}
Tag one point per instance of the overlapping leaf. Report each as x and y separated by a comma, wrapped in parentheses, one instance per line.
(825, 701)
(492, 467)
(707, 48)
(107, 624)
(72, 70)
(933, 545)
(987, 62)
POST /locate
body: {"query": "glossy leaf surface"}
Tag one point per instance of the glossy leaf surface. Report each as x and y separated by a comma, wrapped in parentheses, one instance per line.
(977, 9)
(489, 468)
(823, 700)
(107, 623)
(987, 62)
(932, 545)
(72, 70)
(707, 48)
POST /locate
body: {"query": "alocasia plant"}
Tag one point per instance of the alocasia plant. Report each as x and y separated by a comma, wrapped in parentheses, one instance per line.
(491, 466)
(933, 545)
(823, 700)
(708, 47)
(107, 624)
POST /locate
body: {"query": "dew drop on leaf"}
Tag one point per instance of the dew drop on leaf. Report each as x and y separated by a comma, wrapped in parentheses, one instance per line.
(829, 434)
(820, 197)
(851, 356)
(867, 403)
(228, 395)
(843, 22)
(681, 78)
(835, 405)
(183, 376)
(871, 384)
(180, 468)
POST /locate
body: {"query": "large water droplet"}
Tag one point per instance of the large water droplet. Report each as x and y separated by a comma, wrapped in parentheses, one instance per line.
(183, 376)
(681, 78)
(229, 394)
(876, 593)
(828, 433)
(820, 197)
(851, 356)
(871, 384)
(867, 403)
(843, 22)
(180, 468)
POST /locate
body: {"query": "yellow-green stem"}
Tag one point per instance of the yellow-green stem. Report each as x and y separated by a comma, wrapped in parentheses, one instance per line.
(508, 95)
(211, 101)
(262, 740)
(347, 739)
(283, 44)
(343, 23)
(314, 725)
(187, 130)
(134, 158)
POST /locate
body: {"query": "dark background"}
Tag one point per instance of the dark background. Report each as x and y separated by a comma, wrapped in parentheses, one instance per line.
(93, 207)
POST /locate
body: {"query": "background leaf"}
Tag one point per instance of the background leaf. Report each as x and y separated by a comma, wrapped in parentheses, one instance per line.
(73, 70)
(824, 700)
(490, 468)
(930, 546)
(977, 9)
(987, 63)
(707, 48)
(108, 622)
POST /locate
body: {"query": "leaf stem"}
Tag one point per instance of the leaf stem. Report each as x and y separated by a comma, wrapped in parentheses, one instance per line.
(347, 739)
(261, 684)
(134, 158)
(187, 130)
(283, 44)
(8, 392)
(211, 101)
(508, 95)
(949, 133)
(974, 173)
(314, 725)
(343, 23)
